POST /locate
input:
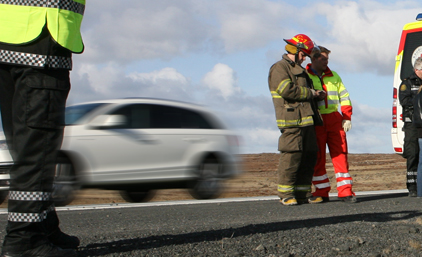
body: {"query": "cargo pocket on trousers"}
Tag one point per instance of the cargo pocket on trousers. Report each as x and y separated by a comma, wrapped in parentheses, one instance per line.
(45, 100)
(290, 140)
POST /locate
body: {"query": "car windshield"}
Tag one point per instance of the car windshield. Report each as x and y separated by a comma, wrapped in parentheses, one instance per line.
(74, 113)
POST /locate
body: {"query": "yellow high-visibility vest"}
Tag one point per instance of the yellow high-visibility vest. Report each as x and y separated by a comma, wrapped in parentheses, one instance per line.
(21, 21)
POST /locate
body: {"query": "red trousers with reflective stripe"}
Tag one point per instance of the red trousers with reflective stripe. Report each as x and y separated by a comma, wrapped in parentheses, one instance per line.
(333, 135)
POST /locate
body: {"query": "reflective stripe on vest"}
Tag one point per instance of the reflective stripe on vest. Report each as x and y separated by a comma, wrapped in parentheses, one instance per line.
(21, 21)
(35, 60)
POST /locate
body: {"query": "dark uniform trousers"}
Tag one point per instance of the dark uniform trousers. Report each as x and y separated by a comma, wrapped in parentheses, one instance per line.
(298, 155)
(32, 105)
(411, 153)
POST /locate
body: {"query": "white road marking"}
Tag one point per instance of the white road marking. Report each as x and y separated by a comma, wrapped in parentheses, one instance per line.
(189, 202)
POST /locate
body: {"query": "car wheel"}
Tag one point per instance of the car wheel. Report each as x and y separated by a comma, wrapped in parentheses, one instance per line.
(132, 196)
(65, 182)
(208, 184)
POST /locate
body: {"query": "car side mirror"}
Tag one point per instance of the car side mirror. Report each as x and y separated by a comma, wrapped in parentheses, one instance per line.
(107, 121)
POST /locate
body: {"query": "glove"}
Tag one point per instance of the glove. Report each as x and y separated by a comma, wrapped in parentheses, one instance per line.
(347, 125)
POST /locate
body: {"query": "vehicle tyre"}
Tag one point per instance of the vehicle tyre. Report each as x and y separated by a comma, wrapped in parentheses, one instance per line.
(65, 182)
(133, 196)
(208, 185)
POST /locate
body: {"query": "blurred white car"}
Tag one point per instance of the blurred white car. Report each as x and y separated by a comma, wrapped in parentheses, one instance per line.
(137, 145)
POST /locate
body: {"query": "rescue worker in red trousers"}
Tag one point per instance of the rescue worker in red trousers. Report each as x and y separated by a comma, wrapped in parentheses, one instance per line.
(333, 132)
(37, 40)
(296, 112)
(407, 92)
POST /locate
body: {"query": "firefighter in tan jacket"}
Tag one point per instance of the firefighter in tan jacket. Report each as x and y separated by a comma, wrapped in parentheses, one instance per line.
(296, 112)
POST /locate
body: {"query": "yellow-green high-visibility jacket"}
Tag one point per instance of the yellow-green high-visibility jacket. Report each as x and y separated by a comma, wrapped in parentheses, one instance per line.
(337, 94)
(292, 94)
(21, 21)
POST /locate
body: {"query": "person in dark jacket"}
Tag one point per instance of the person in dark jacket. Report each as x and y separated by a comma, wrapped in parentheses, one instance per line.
(407, 92)
(37, 40)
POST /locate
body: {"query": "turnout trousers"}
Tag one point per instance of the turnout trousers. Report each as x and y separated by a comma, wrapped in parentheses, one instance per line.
(298, 153)
(32, 105)
(333, 135)
(411, 153)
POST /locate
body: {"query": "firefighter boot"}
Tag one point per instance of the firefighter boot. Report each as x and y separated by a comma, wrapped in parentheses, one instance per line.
(315, 199)
(288, 201)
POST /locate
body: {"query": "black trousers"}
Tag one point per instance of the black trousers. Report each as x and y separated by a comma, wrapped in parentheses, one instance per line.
(32, 105)
(411, 153)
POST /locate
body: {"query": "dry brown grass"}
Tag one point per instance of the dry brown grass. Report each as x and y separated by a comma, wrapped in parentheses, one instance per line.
(370, 172)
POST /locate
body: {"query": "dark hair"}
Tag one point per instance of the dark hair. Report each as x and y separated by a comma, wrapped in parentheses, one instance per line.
(316, 53)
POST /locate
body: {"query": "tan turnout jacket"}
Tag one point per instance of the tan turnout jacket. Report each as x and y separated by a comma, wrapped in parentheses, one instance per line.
(292, 93)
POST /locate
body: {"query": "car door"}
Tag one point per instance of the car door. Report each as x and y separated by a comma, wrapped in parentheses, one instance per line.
(149, 146)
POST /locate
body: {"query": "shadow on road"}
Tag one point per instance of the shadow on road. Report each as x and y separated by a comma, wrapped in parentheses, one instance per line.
(380, 197)
(124, 246)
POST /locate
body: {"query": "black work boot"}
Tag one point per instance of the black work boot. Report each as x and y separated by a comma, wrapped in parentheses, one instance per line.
(413, 194)
(63, 240)
(45, 250)
(349, 199)
(413, 191)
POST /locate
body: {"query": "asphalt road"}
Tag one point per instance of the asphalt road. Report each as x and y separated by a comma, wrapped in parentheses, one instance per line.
(378, 225)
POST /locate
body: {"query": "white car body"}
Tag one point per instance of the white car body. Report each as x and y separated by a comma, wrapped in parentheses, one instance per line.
(103, 149)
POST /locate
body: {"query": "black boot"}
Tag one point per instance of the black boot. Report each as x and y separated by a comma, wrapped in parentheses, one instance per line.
(63, 240)
(45, 250)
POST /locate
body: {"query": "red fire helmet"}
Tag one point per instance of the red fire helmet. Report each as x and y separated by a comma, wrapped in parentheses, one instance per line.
(303, 42)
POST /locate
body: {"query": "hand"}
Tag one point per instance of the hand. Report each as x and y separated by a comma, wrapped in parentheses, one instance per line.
(347, 125)
(321, 94)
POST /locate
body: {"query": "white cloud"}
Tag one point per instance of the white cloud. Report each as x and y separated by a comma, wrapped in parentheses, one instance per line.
(259, 140)
(169, 75)
(141, 29)
(111, 81)
(249, 24)
(370, 131)
(101, 80)
(364, 35)
(223, 79)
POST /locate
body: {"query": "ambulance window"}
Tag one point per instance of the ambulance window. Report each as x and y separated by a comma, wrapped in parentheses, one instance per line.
(413, 41)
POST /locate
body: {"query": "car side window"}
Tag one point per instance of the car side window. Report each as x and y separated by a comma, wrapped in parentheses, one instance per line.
(177, 118)
(152, 116)
(136, 116)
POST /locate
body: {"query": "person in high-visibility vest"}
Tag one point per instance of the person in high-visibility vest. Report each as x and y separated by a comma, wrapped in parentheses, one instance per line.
(37, 40)
(294, 100)
(333, 132)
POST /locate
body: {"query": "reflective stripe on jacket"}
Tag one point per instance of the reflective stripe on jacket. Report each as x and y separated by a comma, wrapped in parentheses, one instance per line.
(337, 93)
(21, 21)
(291, 90)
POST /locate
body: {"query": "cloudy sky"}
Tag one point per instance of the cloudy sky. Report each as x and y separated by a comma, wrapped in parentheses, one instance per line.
(218, 52)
